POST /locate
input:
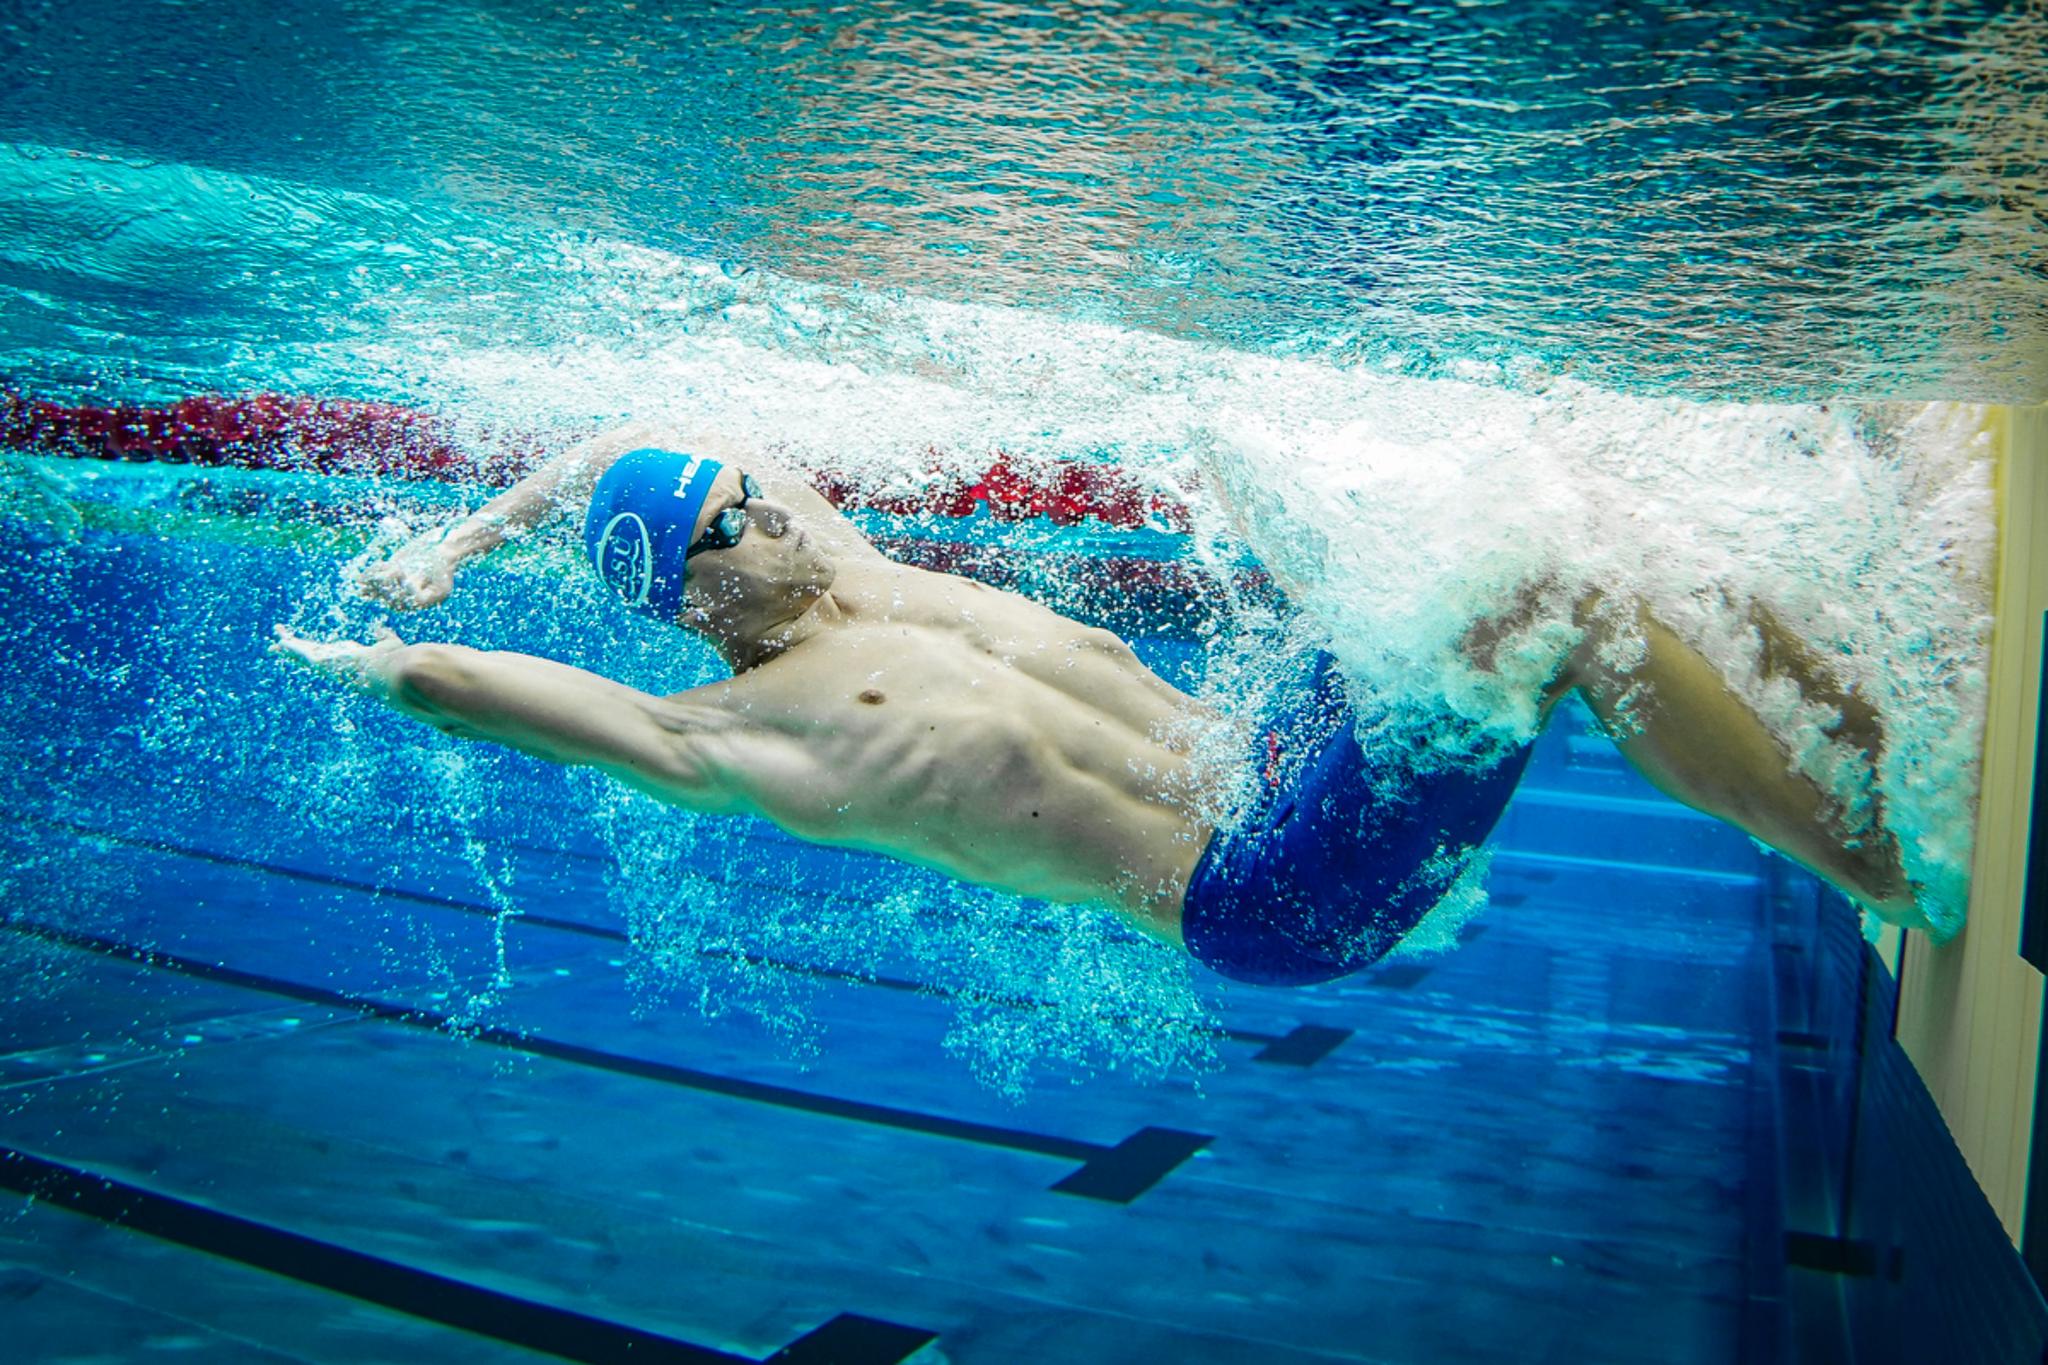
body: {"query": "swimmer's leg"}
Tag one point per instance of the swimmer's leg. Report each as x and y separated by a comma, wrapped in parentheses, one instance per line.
(1673, 717)
(550, 710)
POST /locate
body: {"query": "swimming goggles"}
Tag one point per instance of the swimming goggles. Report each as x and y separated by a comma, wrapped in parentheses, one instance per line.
(728, 526)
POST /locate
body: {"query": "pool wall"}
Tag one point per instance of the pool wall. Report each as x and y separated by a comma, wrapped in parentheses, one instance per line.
(1970, 1011)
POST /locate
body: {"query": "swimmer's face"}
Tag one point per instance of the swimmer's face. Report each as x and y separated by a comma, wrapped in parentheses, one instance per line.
(751, 555)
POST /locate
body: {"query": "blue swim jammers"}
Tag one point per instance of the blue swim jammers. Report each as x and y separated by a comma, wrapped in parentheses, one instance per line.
(1331, 872)
(638, 528)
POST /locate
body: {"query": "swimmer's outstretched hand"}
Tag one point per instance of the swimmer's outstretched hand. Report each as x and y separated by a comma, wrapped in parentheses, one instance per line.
(420, 573)
(365, 667)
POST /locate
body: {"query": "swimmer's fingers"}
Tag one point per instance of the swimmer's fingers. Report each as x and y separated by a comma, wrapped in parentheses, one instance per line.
(431, 586)
(318, 654)
(359, 665)
(377, 581)
(407, 583)
(291, 644)
(386, 584)
(287, 641)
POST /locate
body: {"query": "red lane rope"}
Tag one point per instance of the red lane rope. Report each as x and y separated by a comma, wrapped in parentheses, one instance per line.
(261, 431)
(342, 436)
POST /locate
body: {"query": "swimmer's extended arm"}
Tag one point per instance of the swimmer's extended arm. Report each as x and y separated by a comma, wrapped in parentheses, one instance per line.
(540, 707)
(421, 573)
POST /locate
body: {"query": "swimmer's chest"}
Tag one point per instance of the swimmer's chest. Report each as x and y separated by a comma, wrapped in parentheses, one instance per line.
(870, 682)
(892, 741)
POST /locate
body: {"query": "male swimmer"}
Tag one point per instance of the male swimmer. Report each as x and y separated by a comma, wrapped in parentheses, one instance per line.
(959, 727)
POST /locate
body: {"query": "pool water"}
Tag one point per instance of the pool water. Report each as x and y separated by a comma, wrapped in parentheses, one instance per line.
(414, 1024)
(329, 1037)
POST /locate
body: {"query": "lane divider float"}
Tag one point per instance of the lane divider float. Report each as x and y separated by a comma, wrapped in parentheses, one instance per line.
(385, 440)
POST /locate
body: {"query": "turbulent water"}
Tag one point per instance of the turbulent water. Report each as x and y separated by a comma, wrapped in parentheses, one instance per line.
(1426, 312)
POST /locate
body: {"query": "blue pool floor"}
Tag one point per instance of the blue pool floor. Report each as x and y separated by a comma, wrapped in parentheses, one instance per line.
(1539, 1147)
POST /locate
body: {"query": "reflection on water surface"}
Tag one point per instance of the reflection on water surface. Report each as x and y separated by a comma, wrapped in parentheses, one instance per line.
(1748, 199)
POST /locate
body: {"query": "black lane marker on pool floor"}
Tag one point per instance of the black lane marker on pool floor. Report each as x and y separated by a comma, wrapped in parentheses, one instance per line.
(1303, 1045)
(851, 1339)
(1121, 1172)
(1400, 976)
(1290, 1049)
(847, 1339)
(1132, 1167)
(1830, 1255)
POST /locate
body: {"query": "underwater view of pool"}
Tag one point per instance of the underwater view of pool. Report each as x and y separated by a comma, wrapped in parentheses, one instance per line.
(1248, 332)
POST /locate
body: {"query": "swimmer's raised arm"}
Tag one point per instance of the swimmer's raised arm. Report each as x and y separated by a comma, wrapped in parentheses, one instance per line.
(661, 745)
(421, 573)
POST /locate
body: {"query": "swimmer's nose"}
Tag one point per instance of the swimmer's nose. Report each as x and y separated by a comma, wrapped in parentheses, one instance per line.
(771, 517)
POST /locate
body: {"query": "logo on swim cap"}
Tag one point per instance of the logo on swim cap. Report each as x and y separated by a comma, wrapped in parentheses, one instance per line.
(625, 557)
(638, 529)
(687, 478)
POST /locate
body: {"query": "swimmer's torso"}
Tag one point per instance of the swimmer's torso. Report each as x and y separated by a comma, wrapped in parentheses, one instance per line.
(968, 730)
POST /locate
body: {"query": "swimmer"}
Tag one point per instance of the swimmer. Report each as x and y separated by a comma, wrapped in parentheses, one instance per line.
(877, 706)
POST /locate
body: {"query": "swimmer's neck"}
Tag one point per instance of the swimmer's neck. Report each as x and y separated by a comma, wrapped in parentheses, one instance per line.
(746, 644)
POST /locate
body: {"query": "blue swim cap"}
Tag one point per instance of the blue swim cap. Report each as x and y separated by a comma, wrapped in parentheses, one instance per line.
(638, 527)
